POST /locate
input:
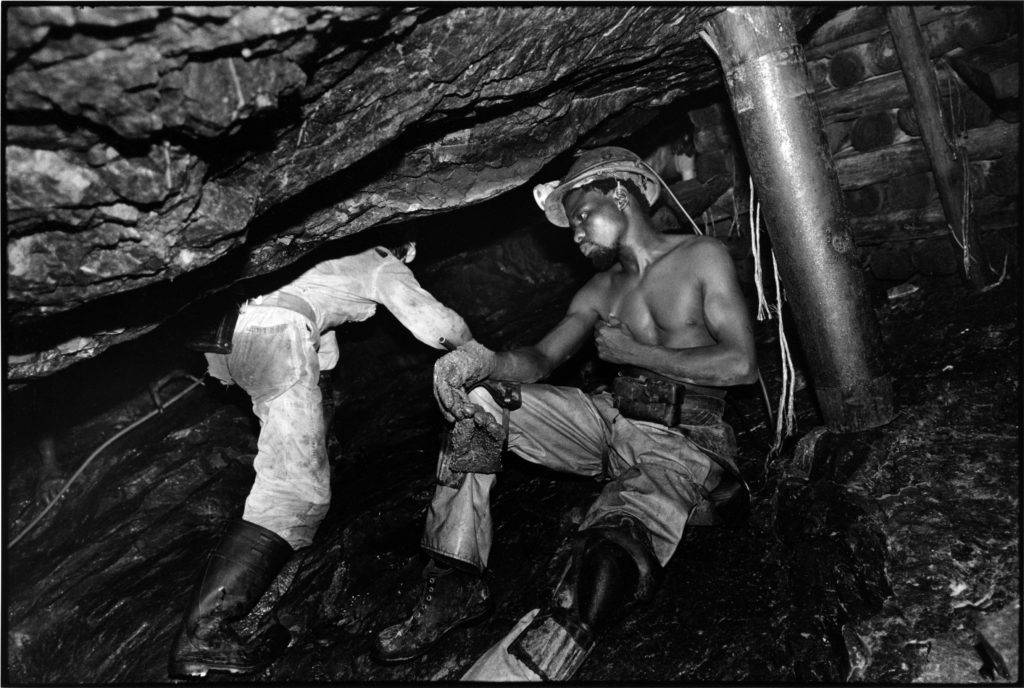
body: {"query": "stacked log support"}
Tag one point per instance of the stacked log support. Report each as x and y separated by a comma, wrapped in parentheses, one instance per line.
(900, 193)
(887, 91)
(874, 133)
(857, 169)
(993, 71)
(1002, 176)
(929, 222)
(874, 130)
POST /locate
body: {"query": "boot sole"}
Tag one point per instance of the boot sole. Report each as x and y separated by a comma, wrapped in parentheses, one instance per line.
(200, 670)
(276, 640)
(488, 610)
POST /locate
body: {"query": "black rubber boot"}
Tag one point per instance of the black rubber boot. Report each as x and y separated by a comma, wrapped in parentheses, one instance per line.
(610, 569)
(240, 569)
(448, 599)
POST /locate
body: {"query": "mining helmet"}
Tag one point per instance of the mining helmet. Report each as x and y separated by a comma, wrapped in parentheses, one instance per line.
(597, 163)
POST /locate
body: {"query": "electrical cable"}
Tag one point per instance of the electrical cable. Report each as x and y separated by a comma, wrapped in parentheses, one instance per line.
(673, 197)
(96, 452)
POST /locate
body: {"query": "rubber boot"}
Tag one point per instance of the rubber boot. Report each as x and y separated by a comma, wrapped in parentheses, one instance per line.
(602, 581)
(449, 598)
(240, 569)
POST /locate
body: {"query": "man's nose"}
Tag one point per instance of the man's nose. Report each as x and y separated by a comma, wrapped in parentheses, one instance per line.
(578, 234)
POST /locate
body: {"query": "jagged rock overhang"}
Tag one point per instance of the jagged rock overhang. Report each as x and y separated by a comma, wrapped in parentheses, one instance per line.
(183, 147)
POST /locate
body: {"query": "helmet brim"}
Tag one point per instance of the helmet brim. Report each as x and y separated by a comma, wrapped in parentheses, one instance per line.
(551, 202)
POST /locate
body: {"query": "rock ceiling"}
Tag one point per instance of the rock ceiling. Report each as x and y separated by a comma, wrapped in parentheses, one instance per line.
(180, 148)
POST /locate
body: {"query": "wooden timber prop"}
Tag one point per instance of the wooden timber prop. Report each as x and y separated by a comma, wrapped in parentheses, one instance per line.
(947, 157)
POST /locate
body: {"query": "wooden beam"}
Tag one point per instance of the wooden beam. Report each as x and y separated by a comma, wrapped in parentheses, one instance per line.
(992, 70)
(994, 212)
(863, 24)
(873, 130)
(889, 91)
(947, 160)
(858, 169)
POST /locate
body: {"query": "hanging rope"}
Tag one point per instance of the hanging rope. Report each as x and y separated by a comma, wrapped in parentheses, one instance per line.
(785, 417)
(735, 230)
(953, 132)
(763, 312)
(160, 409)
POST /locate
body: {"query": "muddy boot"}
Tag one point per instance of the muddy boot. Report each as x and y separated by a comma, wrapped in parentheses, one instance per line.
(448, 599)
(239, 571)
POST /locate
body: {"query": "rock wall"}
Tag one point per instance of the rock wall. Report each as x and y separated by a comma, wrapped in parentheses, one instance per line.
(208, 144)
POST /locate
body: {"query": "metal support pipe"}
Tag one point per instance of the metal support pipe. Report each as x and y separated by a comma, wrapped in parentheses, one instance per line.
(796, 182)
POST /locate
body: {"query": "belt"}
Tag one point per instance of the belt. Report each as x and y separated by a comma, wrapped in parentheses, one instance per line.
(701, 402)
(658, 399)
(292, 303)
(712, 392)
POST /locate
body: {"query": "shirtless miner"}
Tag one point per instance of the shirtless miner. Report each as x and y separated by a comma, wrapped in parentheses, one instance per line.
(667, 310)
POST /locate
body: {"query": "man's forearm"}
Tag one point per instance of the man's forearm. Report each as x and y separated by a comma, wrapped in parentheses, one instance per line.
(520, 365)
(711, 365)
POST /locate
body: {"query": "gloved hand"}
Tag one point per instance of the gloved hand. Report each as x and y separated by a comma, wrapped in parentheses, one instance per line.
(457, 370)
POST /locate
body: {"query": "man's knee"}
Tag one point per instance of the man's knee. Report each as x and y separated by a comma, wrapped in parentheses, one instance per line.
(625, 536)
(611, 567)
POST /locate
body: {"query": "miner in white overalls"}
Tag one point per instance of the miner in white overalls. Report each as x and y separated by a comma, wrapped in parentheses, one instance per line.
(282, 342)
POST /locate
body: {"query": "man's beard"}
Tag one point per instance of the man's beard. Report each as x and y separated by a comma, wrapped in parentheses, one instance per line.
(603, 257)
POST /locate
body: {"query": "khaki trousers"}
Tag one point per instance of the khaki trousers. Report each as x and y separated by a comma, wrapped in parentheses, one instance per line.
(655, 474)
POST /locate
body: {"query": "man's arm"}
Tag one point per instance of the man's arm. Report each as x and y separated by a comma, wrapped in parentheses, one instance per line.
(473, 362)
(429, 320)
(729, 360)
(532, 363)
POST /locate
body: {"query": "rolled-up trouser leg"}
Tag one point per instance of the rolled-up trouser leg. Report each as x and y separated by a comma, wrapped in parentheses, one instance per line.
(557, 427)
(277, 365)
(459, 524)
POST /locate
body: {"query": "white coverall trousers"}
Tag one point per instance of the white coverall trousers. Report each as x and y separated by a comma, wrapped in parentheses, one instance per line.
(274, 359)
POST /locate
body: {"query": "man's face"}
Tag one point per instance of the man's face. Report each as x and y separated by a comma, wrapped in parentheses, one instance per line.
(597, 225)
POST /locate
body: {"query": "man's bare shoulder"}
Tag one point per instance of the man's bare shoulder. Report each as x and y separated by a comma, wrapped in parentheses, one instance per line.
(696, 248)
(599, 283)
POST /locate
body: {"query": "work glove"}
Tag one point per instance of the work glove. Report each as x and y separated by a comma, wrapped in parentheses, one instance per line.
(454, 372)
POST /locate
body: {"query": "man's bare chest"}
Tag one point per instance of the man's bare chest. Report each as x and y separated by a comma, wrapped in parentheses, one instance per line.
(663, 312)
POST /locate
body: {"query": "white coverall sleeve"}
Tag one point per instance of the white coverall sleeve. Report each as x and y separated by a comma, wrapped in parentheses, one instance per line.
(423, 315)
(328, 354)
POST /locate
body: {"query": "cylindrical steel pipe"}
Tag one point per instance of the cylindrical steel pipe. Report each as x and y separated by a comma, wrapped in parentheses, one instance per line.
(796, 182)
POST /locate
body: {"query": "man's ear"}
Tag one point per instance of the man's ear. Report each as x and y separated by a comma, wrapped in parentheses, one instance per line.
(620, 196)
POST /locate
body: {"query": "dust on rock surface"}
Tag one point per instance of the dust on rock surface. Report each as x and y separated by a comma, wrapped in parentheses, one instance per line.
(878, 569)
